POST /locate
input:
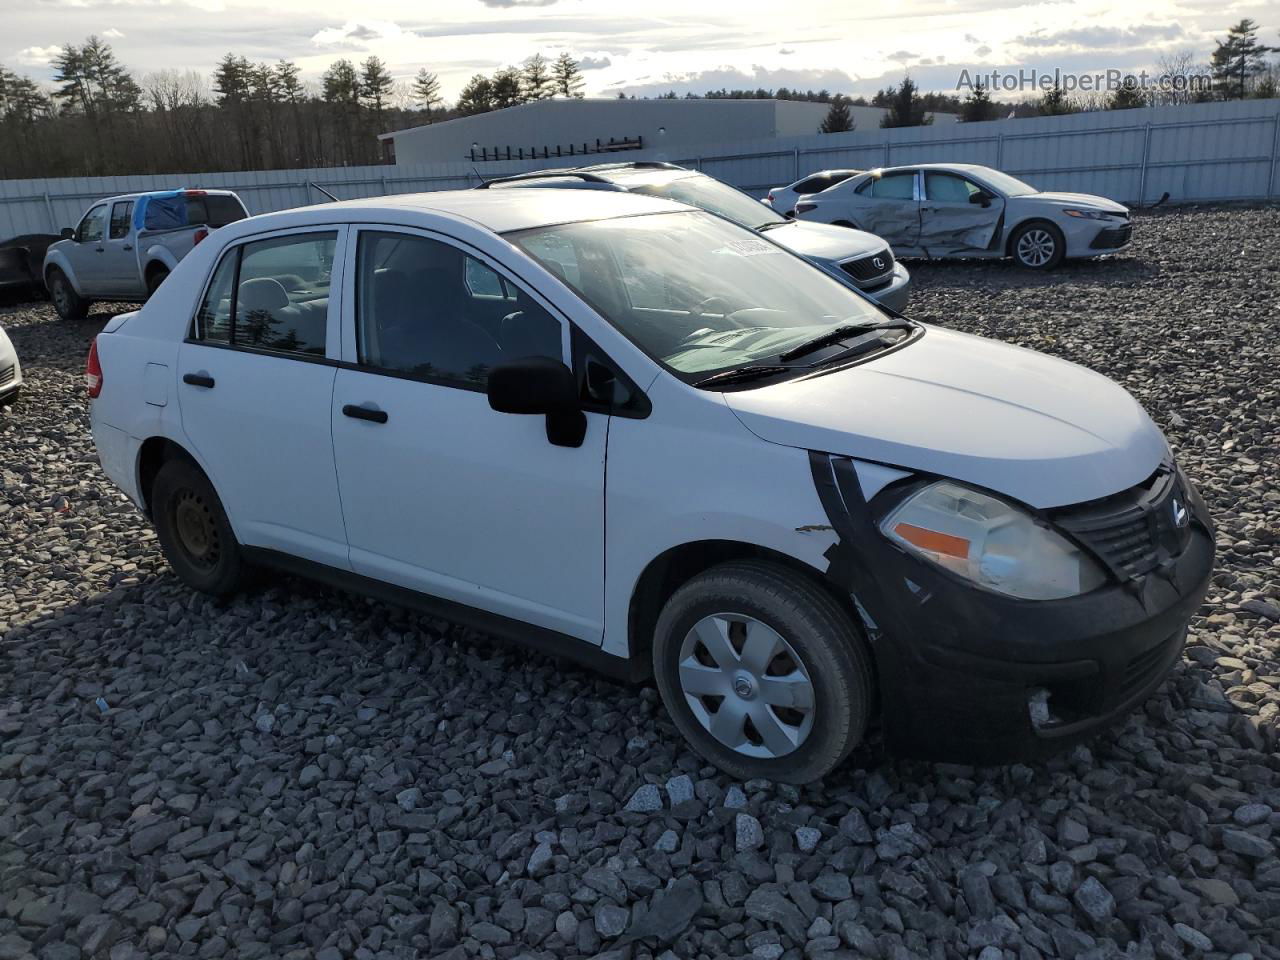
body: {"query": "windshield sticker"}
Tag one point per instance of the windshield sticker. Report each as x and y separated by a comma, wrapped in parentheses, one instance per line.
(748, 248)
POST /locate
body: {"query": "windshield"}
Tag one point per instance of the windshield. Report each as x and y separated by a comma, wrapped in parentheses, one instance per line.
(1009, 186)
(710, 194)
(695, 292)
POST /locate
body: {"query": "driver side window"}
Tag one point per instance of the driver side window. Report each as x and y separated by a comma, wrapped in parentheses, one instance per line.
(948, 188)
(94, 225)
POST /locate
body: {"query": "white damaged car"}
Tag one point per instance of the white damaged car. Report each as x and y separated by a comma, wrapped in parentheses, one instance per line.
(937, 210)
(636, 434)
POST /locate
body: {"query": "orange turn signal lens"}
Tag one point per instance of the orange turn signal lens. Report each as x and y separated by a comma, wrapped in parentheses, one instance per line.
(933, 541)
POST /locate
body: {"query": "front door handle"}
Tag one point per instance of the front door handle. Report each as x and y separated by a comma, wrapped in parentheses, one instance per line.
(198, 380)
(364, 413)
(127, 246)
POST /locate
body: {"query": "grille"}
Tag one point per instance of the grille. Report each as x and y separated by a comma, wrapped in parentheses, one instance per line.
(1112, 237)
(865, 268)
(1135, 531)
(6, 374)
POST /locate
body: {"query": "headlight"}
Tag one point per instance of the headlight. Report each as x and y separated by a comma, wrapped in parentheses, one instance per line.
(992, 543)
(1087, 214)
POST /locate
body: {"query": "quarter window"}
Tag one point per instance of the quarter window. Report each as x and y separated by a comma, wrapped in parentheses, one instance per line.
(94, 225)
(271, 295)
(121, 214)
(426, 309)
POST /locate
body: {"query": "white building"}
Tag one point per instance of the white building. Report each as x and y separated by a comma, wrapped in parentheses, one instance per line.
(567, 128)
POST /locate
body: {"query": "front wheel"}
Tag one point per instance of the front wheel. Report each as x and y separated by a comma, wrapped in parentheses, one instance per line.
(193, 530)
(69, 304)
(1038, 246)
(763, 672)
(155, 277)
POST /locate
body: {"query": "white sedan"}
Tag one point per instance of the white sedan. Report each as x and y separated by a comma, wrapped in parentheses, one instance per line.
(635, 433)
(937, 210)
(10, 371)
(783, 199)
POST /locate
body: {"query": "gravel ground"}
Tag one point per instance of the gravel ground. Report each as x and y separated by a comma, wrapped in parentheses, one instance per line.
(306, 774)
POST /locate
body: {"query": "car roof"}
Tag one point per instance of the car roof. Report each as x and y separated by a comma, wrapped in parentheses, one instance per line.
(498, 210)
(977, 168)
(163, 193)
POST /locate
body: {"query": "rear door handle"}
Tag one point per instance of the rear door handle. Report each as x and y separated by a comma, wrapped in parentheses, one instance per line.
(364, 413)
(198, 380)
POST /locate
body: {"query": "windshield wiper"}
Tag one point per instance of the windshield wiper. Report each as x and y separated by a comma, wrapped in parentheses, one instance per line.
(750, 372)
(771, 224)
(835, 335)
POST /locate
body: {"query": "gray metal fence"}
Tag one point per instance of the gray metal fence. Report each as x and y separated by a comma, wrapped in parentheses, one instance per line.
(1198, 152)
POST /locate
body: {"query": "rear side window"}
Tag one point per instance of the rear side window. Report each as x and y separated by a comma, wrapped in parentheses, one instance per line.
(214, 210)
(894, 186)
(121, 214)
(425, 309)
(271, 295)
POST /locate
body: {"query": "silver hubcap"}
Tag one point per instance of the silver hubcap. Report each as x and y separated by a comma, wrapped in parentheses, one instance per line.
(746, 685)
(1036, 247)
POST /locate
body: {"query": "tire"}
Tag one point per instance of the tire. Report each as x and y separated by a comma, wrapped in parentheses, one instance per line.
(193, 530)
(69, 304)
(1038, 245)
(748, 604)
(154, 279)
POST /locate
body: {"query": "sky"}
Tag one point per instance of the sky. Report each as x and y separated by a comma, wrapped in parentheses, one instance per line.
(642, 47)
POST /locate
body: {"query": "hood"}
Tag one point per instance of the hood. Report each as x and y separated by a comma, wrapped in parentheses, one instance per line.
(1035, 428)
(1077, 200)
(822, 241)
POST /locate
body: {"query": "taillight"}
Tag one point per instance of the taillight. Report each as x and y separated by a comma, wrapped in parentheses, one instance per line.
(200, 235)
(93, 371)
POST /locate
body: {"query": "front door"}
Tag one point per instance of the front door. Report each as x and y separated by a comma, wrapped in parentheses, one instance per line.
(255, 384)
(956, 215)
(888, 206)
(87, 254)
(441, 494)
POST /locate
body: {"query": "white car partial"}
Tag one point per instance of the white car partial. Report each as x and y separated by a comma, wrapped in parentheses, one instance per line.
(10, 371)
(634, 433)
(784, 199)
(939, 210)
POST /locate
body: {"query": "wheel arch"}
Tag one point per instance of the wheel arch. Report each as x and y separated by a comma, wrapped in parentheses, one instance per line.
(153, 454)
(55, 260)
(1011, 231)
(677, 565)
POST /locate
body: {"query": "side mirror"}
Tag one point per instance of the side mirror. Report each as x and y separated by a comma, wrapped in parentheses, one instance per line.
(984, 199)
(540, 385)
(68, 234)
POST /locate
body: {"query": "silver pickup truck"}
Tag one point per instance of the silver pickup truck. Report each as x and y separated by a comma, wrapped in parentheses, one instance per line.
(125, 246)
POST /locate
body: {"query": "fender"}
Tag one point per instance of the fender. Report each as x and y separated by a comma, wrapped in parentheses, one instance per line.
(55, 257)
(156, 253)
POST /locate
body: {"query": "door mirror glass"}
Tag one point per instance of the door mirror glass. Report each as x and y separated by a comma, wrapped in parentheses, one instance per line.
(540, 385)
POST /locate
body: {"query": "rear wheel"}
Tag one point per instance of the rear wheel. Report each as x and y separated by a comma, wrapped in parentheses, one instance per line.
(194, 531)
(69, 304)
(763, 672)
(155, 277)
(1038, 245)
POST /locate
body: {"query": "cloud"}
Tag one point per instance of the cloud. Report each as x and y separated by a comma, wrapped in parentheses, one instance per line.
(594, 63)
(982, 51)
(732, 78)
(38, 56)
(786, 51)
(357, 33)
(111, 33)
(508, 4)
(1093, 37)
(902, 56)
(970, 38)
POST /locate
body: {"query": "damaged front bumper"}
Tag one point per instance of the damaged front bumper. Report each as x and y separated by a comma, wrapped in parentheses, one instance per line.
(972, 676)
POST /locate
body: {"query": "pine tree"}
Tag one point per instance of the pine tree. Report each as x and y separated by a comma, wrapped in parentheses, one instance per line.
(505, 88)
(905, 108)
(426, 89)
(1055, 102)
(70, 73)
(231, 81)
(341, 86)
(1127, 96)
(567, 78)
(838, 118)
(535, 80)
(375, 85)
(977, 105)
(1239, 58)
(476, 96)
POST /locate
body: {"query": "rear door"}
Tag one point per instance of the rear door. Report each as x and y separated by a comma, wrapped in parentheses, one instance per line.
(889, 207)
(255, 384)
(956, 215)
(120, 259)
